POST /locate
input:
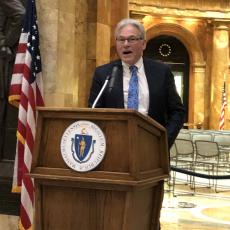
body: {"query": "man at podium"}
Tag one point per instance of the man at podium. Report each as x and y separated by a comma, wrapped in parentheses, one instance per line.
(135, 82)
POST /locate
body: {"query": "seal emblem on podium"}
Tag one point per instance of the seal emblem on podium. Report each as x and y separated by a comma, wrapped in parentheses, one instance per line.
(83, 146)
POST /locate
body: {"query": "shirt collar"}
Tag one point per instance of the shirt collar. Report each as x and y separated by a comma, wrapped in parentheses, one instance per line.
(138, 64)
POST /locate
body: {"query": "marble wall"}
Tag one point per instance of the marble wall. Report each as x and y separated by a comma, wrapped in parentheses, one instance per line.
(75, 36)
(78, 35)
(205, 34)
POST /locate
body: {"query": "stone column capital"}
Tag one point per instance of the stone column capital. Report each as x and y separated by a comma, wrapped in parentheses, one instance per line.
(199, 67)
(220, 24)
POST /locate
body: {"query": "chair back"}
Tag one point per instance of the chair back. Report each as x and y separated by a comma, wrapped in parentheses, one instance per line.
(207, 149)
(222, 140)
(186, 136)
(202, 137)
(184, 147)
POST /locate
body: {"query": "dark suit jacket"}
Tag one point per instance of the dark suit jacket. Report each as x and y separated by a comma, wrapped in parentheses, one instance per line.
(165, 105)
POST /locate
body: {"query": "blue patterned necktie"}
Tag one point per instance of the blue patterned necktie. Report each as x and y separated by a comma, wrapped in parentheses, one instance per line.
(133, 89)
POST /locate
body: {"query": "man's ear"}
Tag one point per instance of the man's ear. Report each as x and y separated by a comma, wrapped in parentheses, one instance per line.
(144, 44)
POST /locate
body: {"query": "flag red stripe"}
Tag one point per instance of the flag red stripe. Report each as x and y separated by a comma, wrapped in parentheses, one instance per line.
(39, 98)
(24, 218)
(29, 138)
(18, 68)
(15, 90)
(32, 100)
(21, 128)
(26, 72)
(22, 48)
(29, 187)
(24, 101)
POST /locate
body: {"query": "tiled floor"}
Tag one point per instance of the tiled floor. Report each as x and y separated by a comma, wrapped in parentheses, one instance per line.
(206, 210)
(196, 212)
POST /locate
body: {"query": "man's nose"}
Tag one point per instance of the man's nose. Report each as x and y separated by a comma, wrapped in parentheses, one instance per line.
(126, 42)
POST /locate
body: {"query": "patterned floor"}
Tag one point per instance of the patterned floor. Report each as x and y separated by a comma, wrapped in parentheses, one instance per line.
(205, 210)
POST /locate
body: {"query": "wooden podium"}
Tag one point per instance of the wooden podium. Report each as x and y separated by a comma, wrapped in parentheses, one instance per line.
(123, 193)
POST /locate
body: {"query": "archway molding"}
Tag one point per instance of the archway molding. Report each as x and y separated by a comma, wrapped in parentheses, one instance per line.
(197, 65)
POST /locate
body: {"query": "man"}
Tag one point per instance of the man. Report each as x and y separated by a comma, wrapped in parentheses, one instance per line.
(140, 83)
(156, 94)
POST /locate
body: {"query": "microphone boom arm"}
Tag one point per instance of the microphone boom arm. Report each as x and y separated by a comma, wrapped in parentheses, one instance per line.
(101, 91)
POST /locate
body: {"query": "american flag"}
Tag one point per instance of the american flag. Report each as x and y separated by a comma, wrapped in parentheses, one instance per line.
(26, 92)
(223, 105)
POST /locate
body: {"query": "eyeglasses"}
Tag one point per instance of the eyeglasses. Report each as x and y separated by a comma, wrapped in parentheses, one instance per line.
(131, 39)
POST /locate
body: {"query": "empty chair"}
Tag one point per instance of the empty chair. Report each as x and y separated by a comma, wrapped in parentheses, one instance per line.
(173, 154)
(186, 136)
(184, 151)
(184, 131)
(223, 141)
(206, 158)
(202, 137)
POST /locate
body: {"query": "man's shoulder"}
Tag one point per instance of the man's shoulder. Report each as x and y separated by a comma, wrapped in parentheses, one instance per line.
(158, 63)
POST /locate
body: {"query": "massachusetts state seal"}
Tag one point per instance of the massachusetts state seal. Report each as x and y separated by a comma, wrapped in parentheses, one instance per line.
(83, 146)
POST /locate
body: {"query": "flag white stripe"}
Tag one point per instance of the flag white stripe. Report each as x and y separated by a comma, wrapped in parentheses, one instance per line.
(30, 120)
(27, 203)
(16, 79)
(23, 38)
(27, 157)
(20, 58)
(22, 115)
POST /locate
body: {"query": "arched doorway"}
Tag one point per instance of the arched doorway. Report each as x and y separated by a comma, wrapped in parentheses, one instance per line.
(172, 52)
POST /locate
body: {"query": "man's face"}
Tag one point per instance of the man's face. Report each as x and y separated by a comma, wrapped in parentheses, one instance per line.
(130, 50)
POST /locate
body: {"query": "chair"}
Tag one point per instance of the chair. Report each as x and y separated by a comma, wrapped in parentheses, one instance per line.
(183, 157)
(186, 136)
(172, 163)
(206, 158)
(223, 141)
(202, 137)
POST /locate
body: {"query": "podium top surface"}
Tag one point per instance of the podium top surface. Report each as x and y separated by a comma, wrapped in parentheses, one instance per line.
(100, 111)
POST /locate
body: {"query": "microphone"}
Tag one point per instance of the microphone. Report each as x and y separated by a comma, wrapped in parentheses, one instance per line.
(109, 79)
(113, 77)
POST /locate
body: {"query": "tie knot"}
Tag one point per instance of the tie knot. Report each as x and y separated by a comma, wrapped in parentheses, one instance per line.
(133, 69)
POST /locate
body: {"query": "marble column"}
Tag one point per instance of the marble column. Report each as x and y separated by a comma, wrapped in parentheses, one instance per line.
(220, 62)
(75, 37)
(62, 31)
(199, 93)
(119, 10)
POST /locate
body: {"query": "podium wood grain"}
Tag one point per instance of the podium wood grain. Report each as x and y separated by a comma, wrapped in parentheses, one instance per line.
(123, 193)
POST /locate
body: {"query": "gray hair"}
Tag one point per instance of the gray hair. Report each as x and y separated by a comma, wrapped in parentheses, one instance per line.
(133, 22)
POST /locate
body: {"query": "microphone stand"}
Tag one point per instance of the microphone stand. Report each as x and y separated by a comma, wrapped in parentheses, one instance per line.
(101, 91)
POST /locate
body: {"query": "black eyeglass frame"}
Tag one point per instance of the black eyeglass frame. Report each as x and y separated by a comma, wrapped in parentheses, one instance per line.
(131, 39)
